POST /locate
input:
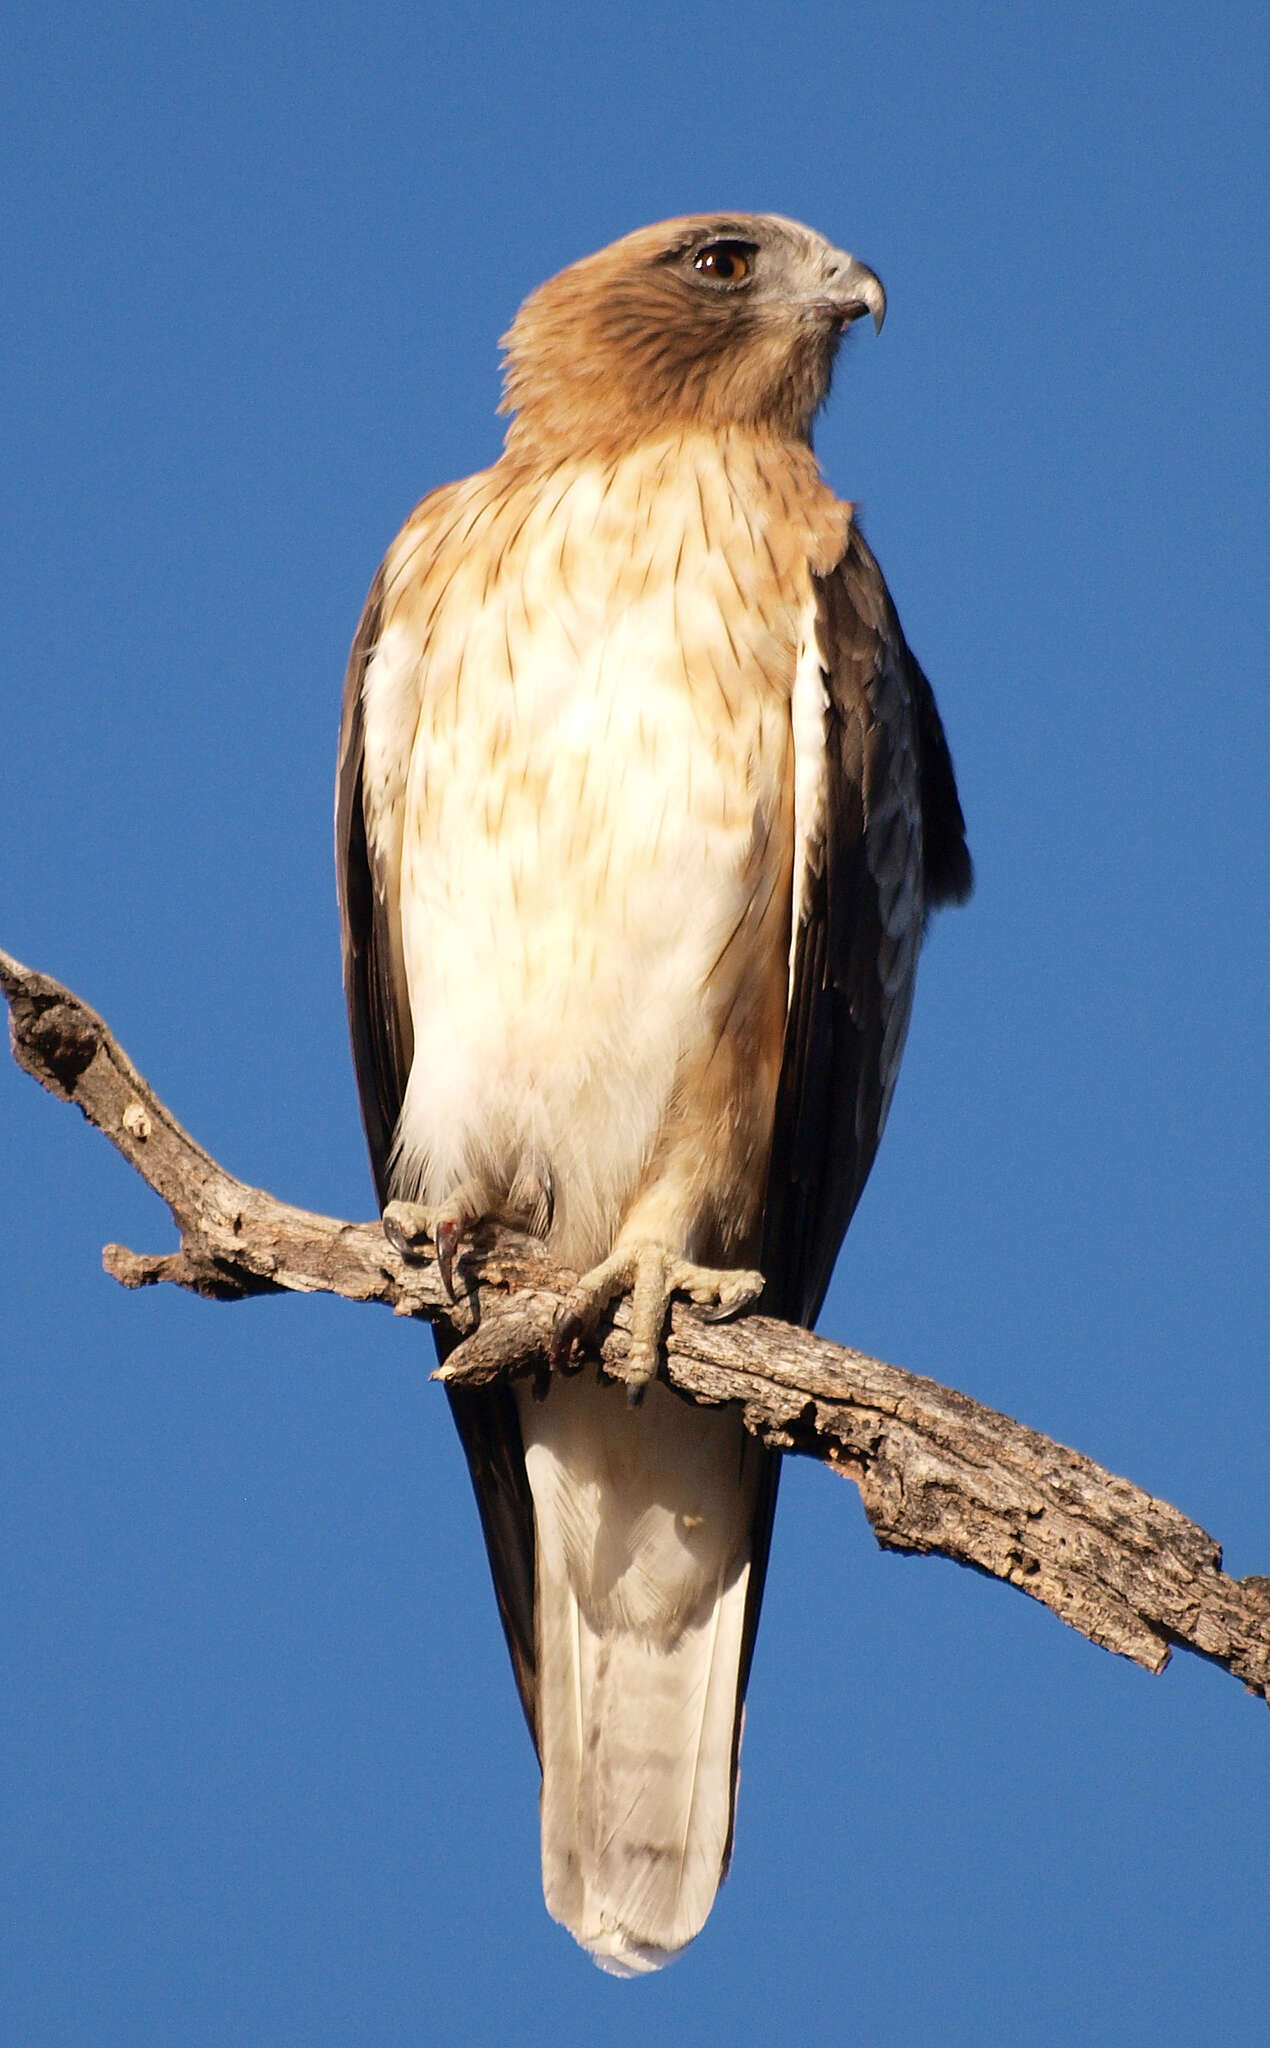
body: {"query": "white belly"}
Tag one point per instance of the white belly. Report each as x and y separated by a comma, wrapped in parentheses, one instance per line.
(598, 792)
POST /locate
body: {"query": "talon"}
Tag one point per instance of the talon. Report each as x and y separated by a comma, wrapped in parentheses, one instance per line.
(572, 1327)
(727, 1306)
(567, 1330)
(405, 1225)
(449, 1236)
(725, 1295)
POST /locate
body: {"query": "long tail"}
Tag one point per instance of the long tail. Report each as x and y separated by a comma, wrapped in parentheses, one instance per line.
(645, 1521)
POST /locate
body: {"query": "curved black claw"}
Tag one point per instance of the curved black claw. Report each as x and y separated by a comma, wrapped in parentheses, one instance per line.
(409, 1246)
(569, 1330)
(717, 1312)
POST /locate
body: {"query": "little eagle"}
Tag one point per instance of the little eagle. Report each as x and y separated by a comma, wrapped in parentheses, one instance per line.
(643, 804)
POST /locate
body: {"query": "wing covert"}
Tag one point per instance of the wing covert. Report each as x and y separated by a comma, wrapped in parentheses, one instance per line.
(883, 844)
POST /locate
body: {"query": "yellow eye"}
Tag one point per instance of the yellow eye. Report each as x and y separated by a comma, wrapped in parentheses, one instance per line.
(725, 262)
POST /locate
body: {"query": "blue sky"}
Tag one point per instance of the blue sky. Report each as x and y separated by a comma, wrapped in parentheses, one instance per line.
(265, 1778)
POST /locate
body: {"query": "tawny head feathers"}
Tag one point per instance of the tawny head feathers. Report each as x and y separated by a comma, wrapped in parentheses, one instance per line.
(709, 321)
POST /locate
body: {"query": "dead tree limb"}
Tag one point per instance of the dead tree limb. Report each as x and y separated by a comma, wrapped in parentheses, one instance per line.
(937, 1472)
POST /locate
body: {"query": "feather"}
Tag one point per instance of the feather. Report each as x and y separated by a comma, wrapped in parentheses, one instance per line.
(642, 803)
(644, 1519)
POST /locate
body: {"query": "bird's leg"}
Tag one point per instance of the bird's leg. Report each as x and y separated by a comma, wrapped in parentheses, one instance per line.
(651, 1274)
(409, 1226)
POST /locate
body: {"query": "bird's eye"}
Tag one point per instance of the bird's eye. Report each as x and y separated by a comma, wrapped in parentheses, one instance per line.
(725, 262)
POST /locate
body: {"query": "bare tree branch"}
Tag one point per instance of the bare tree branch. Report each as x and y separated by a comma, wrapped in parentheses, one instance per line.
(937, 1472)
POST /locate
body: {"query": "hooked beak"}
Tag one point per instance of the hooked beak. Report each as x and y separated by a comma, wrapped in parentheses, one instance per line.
(851, 289)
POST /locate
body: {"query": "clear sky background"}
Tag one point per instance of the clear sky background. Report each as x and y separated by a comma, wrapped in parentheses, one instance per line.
(265, 1779)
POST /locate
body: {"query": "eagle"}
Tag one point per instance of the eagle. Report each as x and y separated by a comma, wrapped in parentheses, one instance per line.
(643, 805)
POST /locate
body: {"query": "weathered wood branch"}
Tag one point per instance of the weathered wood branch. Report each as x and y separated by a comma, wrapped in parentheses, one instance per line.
(937, 1472)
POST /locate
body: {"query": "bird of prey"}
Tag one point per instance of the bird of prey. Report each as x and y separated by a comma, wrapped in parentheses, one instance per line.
(643, 804)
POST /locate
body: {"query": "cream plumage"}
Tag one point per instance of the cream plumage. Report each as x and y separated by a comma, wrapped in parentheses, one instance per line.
(642, 804)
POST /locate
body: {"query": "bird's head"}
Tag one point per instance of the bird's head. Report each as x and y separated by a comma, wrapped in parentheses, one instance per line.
(713, 320)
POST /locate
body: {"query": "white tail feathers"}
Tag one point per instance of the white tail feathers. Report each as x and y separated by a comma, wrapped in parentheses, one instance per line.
(643, 1519)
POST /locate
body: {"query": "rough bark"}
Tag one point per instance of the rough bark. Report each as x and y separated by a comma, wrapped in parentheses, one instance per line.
(937, 1472)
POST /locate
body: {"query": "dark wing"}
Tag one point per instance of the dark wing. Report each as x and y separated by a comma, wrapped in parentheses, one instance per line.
(378, 1011)
(889, 846)
(383, 1045)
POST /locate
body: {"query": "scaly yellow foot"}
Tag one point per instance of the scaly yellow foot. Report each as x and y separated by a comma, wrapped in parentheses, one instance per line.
(650, 1274)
